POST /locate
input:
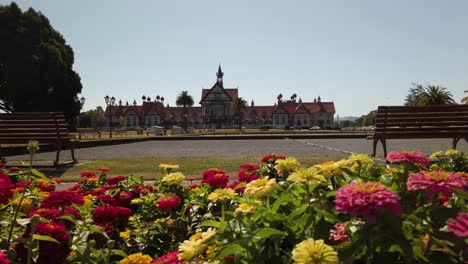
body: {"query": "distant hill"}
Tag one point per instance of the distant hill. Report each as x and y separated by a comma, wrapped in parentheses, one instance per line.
(350, 118)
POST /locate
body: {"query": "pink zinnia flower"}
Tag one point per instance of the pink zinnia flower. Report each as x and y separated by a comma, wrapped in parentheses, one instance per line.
(62, 199)
(6, 190)
(114, 180)
(234, 186)
(168, 202)
(435, 181)
(339, 234)
(459, 225)
(364, 199)
(4, 257)
(408, 156)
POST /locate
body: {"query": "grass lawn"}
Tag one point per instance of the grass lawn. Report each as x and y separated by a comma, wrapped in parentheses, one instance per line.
(148, 168)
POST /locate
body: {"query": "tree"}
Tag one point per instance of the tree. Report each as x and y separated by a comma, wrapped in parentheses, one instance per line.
(412, 99)
(465, 99)
(429, 95)
(238, 106)
(367, 120)
(184, 99)
(36, 71)
(436, 95)
(92, 118)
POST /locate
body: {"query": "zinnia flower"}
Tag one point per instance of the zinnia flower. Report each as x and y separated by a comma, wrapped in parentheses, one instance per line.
(247, 176)
(260, 188)
(271, 158)
(339, 234)
(88, 174)
(216, 178)
(408, 156)
(312, 251)
(62, 199)
(116, 179)
(289, 164)
(244, 208)
(330, 168)
(104, 169)
(250, 167)
(4, 258)
(27, 205)
(195, 245)
(361, 159)
(137, 258)
(364, 198)
(451, 152)
(107, 215)
(459, 225)
(168, 202)
(234, 185)
(221, 195)
(124, 198)
(171, 258)
(6, 190)
(168, 167)
(46, 185)
(175, 178)
(436, 155)
(308, 176)
(49, 252)
(435, 181)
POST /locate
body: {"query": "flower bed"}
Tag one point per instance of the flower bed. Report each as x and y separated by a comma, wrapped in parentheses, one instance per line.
(349, 211)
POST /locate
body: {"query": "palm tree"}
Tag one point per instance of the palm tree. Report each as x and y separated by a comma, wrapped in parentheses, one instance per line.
(238, 106)
(435, 95)
(465, 99)
(184, 99)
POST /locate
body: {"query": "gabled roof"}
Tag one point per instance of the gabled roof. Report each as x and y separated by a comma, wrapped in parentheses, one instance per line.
(178, 111)
(268, 110)
(231, 92)
(292, 107)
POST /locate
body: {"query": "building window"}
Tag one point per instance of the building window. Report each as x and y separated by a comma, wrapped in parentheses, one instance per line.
(328, 121)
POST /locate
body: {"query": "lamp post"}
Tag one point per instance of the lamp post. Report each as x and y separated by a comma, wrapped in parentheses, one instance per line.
(82, 101)
(110, 102)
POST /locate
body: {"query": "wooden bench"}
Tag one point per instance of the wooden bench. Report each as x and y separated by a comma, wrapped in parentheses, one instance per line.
(46, 128)
(88, 131)
(408, 122)
(120, 132)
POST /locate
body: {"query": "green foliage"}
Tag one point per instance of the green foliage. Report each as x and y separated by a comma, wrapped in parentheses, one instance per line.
(420, 95)
(36, 65)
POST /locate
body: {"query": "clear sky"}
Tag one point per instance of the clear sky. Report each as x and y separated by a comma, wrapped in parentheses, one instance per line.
(359, 54)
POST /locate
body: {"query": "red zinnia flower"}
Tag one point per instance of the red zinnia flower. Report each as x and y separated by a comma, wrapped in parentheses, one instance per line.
(168, 202)
(124, 198)
(106, 215)
(144, 189)
(3, 175)
(115, 180)
(234, 185)
(46, 186)
(250, 167)
(4, 257)
(62, 199)
(171, 258)
(14, 169)
(363, 199)
(435, 181)
(408, 156)
(53, 214)
(6, 190)
(271, 158)
(459, 225)
(87, 174)
(247, 176)
(49, 252)
(215, 178)
(103, 169)
(107, 198)
(2, 165)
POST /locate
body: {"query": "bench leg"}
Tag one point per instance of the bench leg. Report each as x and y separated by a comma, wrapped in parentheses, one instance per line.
(72, 149)
(384, 144)
(454, 143)
(57, 157)
(374, 146)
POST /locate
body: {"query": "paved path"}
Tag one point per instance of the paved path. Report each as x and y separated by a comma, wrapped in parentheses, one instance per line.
(231, 148)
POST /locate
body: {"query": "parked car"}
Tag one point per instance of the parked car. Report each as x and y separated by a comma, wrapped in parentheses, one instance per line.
(314, 128)
(158, 130)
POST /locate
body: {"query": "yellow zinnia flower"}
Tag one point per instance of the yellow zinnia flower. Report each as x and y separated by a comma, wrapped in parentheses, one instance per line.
(312, 251)
(222, 195)
(307, 176)
(136, 201)
(360, 158)
(173, 178)
(168, 167)
(436, 155)
(451, 152)
(260, 187)
(245, 209)
(288, 164)
(27, 205)
(195, 245)
(330, 168)
(125, 234)
(137, 258)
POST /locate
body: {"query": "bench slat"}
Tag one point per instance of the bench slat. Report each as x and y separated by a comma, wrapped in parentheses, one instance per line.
(446, 119)
(422, 129)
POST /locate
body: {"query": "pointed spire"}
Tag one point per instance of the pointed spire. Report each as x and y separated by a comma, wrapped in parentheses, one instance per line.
(300, 100)
(252, 103)
(120, 102)
(162, 99)
(319, 99)
(134, 102)
(148, 99)
(127, 103)
(220, 74)
(315, 100)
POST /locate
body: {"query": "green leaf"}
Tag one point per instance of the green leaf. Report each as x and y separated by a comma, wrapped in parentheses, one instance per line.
(119, 252)
(39, 174)
(329, 217)
(211, 223)
(70, 218)
(231, 249)
(45, 238)
(349, 253)
(269, 232)
(281, 200)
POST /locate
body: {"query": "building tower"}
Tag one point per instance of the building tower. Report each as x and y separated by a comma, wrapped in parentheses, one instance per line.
(220, 74)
